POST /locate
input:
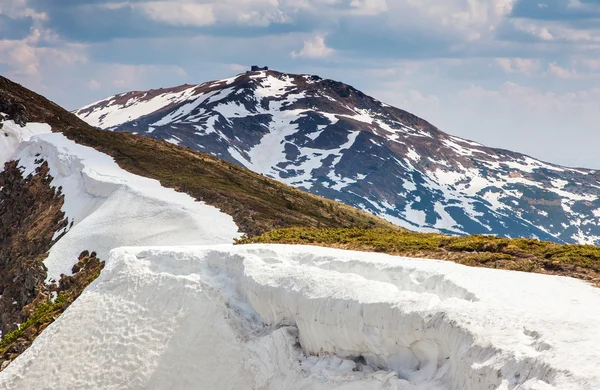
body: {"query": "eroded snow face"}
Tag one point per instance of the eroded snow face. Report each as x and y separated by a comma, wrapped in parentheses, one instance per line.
(108, 207)
(294, 317)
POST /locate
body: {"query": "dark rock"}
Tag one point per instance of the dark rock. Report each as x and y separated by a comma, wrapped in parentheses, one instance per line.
(30, 213)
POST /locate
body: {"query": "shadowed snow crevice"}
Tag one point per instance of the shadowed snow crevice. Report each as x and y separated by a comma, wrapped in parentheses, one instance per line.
(397, 329)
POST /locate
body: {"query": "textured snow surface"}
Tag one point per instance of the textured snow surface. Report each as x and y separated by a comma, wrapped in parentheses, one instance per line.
(109, 207)
(294, 317)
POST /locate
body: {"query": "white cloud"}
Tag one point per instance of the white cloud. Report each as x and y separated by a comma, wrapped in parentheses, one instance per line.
(93, 85)
(590, 63)
(19, 9)
(127, 76)
(476, 92)
(418, 97)
(368, 7)
(201, 13)
(555, 70)
(314, 48)
(178, 13)
(236, 67)
(532, 28)
(558, 30)
(23, 56)
(473, 19)
(255, 18)
(528, 102)
(518, 65)
(577, 4)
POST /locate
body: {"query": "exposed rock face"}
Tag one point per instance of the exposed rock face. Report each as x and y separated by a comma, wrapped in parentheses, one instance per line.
(330, 139)
(30, 214)
(14, 111)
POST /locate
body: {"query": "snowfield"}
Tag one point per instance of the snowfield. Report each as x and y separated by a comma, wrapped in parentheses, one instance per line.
(109, 207)
(295, 317)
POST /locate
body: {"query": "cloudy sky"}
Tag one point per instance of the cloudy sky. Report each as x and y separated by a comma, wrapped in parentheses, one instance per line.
(517, 74)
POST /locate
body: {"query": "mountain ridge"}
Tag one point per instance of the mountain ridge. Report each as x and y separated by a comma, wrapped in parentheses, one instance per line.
(332, 140)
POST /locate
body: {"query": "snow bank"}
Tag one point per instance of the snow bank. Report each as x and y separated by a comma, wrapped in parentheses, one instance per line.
(279, 317)
(109, 207)
(12, 134)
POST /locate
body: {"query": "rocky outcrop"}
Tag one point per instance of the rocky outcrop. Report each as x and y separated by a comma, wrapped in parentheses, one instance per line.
(13, 110)
(30, 215)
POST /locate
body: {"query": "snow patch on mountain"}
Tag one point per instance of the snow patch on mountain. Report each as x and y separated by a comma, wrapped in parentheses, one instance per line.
(137, 106)
(108, 207)
(295, 317)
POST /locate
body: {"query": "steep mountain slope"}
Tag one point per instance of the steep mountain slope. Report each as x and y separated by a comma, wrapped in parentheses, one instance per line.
(332, 140)
(256, 203)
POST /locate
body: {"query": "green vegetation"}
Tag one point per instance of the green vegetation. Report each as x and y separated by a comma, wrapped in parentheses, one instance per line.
(44, 314)
(579, 261)
(42, 311)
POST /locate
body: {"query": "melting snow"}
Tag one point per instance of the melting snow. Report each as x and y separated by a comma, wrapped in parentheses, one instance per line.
(277, 317)
(110, 115)
(413, 155)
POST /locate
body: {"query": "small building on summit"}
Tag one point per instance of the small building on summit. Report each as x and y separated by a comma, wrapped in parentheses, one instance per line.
(256, 68)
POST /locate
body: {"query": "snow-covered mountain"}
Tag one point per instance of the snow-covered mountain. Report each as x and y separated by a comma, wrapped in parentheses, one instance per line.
(332, 140)
(191, 314)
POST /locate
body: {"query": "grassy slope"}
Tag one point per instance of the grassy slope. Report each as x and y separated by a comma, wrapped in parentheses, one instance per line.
(578, 261)
(43, 311)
